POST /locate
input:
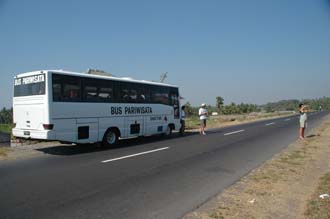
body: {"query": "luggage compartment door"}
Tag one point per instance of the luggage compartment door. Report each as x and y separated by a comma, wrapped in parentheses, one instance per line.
(87, 130)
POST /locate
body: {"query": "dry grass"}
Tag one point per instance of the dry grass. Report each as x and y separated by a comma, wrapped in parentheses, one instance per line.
(4, 151)
(193, 122)
(318, 208)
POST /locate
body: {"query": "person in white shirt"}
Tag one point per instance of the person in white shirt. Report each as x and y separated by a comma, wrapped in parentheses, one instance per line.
(203, 116)
(183, 118)
(302, 120)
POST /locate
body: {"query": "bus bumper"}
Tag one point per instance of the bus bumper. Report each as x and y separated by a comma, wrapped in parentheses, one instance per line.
(34, 134)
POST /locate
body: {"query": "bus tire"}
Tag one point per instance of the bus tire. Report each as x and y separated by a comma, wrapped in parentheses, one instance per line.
(110, 138)
(169, 131)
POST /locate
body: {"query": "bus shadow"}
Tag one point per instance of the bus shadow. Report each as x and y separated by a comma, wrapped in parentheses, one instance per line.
(70, 150)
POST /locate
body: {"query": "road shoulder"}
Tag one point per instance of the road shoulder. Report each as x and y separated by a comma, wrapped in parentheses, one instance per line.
(282, 187)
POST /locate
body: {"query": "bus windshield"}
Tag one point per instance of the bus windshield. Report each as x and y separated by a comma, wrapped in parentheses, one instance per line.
(30, 85)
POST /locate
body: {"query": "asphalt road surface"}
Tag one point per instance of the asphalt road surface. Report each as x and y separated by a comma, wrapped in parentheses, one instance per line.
(142, 178)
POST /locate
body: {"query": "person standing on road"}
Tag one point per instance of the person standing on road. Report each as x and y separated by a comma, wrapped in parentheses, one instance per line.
(183, 119)
(302, 120)
(203, 116)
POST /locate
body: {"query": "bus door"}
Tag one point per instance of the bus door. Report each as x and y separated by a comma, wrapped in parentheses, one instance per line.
(174, 101)
(135, 126)
(87, 130)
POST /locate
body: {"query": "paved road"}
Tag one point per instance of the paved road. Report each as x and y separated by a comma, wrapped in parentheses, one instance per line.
(140, 179)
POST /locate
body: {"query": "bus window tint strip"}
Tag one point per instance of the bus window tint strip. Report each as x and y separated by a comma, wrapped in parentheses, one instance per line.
(84, 89)
(29, 86)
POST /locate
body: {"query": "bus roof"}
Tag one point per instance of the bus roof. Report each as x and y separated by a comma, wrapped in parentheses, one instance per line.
(126, 79)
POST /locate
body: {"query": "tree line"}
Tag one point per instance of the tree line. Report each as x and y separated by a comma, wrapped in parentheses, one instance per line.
(221, 108)
(6, 116)
(292, 105)
(242, 108)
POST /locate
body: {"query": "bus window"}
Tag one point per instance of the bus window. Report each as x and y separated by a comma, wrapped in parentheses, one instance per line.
(174, 101)
(128, 93)
(144, 94)
(71, 91)
(90, 93)
(97, 91)
(133, 95)
(29, 86)
(124, 94)
(66, 88)
(57, 87)
(160, 95)
(105, 94)
(174, 97)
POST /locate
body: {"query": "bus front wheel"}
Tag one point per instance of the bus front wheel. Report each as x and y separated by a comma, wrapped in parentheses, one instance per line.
(110, 138)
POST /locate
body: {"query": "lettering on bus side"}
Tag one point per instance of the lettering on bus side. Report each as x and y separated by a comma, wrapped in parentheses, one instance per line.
(155, 118)
(129, 110)
(116, 111)
(30, 80)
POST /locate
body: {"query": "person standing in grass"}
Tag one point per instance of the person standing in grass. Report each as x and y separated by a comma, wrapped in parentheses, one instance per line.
(203, 116)
(302, 120)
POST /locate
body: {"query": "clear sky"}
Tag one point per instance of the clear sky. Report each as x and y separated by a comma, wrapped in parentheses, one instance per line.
(252, 51)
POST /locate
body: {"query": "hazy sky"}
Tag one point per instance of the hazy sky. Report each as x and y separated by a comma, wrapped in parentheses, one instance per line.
(252, 51)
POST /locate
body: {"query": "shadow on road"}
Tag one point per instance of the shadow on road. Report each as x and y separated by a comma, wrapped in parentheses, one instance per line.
(70, 150)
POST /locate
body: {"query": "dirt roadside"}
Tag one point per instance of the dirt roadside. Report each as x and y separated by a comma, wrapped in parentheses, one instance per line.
(25, 151)
(286, 186)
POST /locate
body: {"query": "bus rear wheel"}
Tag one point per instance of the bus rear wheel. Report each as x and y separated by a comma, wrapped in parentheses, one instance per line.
(169, 130)
(110, 138)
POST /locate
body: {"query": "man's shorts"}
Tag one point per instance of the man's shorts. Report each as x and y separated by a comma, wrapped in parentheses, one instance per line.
(203, 122)
(303, 123)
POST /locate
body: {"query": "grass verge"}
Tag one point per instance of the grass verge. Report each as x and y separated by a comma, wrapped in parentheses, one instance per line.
(193, 122)
(4, 152)
(6, 128)
(317, 207)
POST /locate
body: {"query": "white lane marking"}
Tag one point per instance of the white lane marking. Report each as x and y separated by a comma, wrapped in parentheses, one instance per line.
(134, 155)
(287, 119)
(235, 132)
(272, 123)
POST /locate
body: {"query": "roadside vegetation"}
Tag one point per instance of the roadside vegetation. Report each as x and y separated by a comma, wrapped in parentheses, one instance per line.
(6, 128)
(193, 122)
(285, 105)
(4, 151)
(245, 108)
(233, 113)
(319, 208)
(6, 116)
(6, 120)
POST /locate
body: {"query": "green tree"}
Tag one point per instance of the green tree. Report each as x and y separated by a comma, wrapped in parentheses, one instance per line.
(189, 109)
(6, 116)
(219, 103)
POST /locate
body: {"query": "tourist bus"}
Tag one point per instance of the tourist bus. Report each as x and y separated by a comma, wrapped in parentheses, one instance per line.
(88, 108)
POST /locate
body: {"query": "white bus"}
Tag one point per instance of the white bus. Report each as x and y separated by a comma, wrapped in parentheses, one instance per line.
(85, 108)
